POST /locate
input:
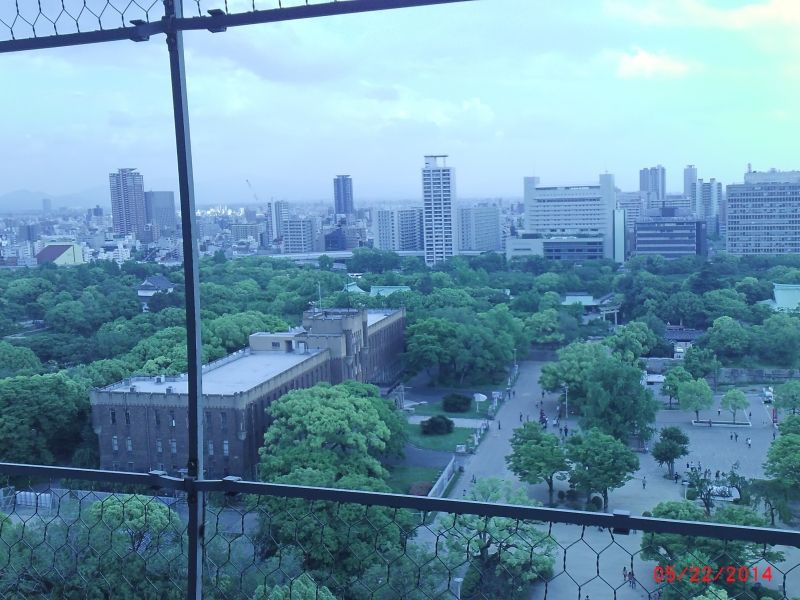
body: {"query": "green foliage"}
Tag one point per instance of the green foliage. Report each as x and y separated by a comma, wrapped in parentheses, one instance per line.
(545, 327)
(674, 377)
(17, 361)
(616, 402)
(791, 424)
(734, 400)
(672, 444)
(787, 396)
(727, 338)
(695, 396)
(302, 588)
(783, 459)
(457, 403)
(507, 553)
(536, 456)
(437, 425)
(599, 463)
(700, 362)
(573, 367)
(632, 341)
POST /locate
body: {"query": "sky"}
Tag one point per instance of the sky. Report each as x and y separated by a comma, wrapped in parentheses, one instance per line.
(506, 88)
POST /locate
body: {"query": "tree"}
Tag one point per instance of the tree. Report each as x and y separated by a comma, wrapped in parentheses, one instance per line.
(671, 445)
(734, 400)
(774, 496)
(791, 424)
(544, 327)
(572, 368)
(616, 402)
(700, 362)
(17, 361)
(777, 340)
(674, 377)
(301, 588)
(728, 338)
(536, 456)
(325, 428)
(632, 341)
(783, 459)
(695, 395)
(599, 463)
(504, 555)
(787, 396)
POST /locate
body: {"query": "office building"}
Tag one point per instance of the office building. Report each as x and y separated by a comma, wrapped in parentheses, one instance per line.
(298, 235)
(634, 204)
(707, 196)
(47, 206)
(399, 230)
(343, 195)
(479, 228)
(438, 193)
(160, 213)
(689, 179)
(279, 213)
(128, 212)
(142, 422)
(763, 214)
(670, 233)
(571, 222)
(653, 180)
(243, 231)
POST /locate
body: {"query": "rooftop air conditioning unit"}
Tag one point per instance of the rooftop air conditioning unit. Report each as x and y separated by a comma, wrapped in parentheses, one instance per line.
(159, 379)
(169, 389)
(133, 388)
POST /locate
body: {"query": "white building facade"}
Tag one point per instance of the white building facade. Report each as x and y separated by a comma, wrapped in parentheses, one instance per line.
(438, 192)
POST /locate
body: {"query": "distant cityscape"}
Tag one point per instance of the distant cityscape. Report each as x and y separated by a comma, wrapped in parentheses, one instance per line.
(582, 221)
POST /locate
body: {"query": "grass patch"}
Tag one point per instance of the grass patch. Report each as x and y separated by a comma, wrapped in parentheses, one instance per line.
(401, 477)
(445, 443)
(435, 408)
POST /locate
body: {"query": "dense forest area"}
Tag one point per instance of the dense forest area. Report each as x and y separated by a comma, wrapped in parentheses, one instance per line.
(466, 320)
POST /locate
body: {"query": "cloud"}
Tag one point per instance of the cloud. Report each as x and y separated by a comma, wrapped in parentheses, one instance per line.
(700, 13)
(646, 65)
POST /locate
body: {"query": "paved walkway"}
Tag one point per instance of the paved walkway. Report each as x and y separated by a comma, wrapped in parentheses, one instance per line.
(457, 421)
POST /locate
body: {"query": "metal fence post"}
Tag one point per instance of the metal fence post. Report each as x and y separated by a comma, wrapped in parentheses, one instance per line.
(196, 499)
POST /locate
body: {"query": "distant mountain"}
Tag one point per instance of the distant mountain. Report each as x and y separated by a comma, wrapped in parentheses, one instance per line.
(29, 201)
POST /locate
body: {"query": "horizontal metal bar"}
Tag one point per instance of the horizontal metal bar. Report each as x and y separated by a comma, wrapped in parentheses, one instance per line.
(85, 37)
(761, 535)
(306, 11)
(215, 22)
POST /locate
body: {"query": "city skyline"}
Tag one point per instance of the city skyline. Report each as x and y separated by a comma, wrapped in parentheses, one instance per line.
(480, 103)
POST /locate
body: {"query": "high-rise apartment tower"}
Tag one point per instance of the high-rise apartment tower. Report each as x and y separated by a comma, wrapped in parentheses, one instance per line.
(438, 192)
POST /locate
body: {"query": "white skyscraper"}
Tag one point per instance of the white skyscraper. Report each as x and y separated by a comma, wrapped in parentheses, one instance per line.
(653, 181)
(438, 192)
(400, 229)
(707, 197)
(689, 179)
(479, 228)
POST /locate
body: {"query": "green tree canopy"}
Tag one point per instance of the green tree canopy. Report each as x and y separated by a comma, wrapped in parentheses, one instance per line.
(783, 459)
(695, 395)
(672, 444)
(599, 462)
(573, 368)
(17, 361)
(734, 400)
(631, 342)
(536, 456)
(787, 396)
(727, 338)
(674, 377)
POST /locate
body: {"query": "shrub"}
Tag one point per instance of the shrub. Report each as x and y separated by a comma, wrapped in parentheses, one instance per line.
(647, 513)
(437, 425)
(597, 502)
(691, 494)
(457, 403)
(420, 488)
(572, 494)
(561, 495)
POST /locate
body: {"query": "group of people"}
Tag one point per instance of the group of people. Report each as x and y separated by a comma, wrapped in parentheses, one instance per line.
(629, 577)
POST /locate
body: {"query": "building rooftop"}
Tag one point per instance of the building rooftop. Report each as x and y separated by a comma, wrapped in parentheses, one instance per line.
(376, 316)
(387, 290)
(238, 372)
(52, 252)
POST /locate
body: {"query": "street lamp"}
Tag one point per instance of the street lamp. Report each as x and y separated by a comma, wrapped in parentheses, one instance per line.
(566, 401)
(459, 581)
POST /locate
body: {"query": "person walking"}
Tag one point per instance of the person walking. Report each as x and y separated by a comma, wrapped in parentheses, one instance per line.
(520, 417)
(566, 431)
(498, 424)
(719, 411)
(644, 482)
(736, 436)
(731, 436)
(773, 434)
(624, 573)
(749, 443)
(632, 578)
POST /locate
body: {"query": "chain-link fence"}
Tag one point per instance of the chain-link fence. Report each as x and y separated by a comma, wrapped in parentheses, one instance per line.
(129, 540)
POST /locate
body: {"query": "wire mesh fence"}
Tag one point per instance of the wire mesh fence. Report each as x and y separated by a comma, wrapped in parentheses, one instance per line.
(130, 541)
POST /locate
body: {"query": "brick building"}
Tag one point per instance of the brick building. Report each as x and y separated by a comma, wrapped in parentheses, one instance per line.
(142, 422)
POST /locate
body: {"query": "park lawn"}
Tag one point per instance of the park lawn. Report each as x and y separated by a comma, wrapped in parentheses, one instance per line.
(445, 443)
(435, 408)
(401, 477)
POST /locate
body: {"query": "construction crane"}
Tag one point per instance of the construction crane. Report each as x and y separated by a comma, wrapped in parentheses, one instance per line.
(252, 191)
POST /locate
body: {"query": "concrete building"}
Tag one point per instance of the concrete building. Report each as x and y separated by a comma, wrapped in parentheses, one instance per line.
(142, 422)
(653, 180)
(571, 221)
(400, 230)
(763, 214)
(670, 233)
(634, 204)
(243, 231)
(438, 193)
(128, 211)
(689, 179)
(343, 195)
(298, 235)
(280, 213)
(707, 197)
(479, 228)
(160, 213)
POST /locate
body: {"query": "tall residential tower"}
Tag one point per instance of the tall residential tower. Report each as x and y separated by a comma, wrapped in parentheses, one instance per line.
(438, 192)
(343, 195)
(128, 209)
